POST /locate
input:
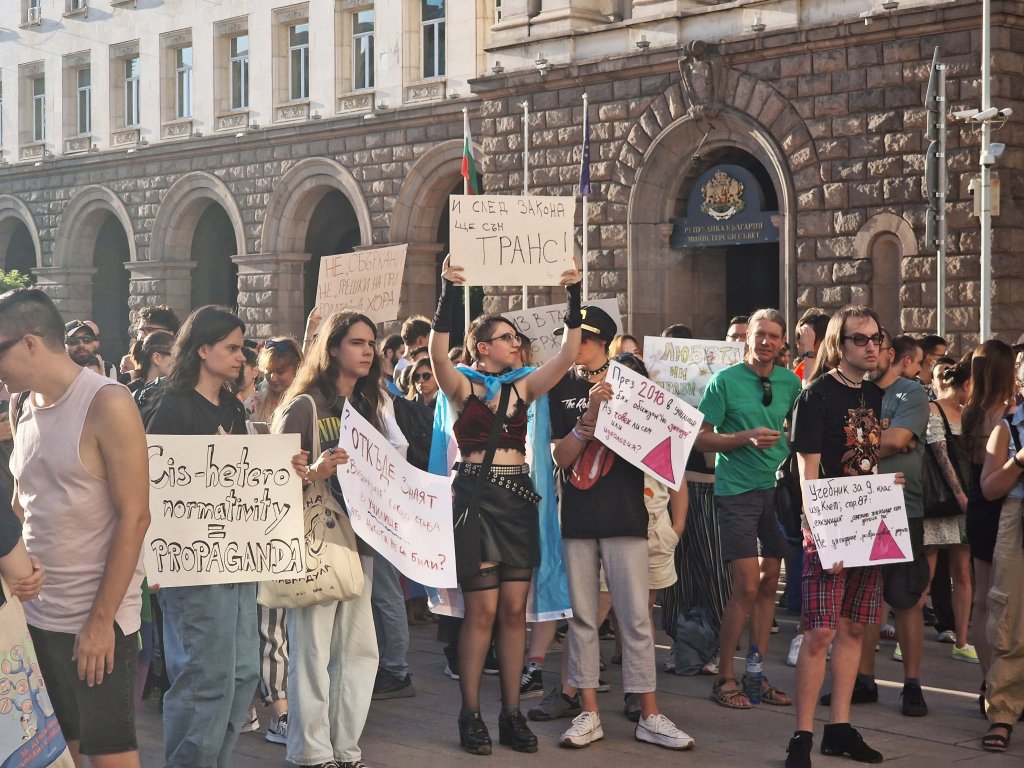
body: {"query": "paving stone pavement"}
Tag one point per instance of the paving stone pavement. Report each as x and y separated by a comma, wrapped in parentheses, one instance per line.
(421, 732)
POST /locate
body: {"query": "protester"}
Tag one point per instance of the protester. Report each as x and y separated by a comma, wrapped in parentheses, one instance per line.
(147, 320)
(745, 407)
(424, 384)
(933, 347)
(497, 544)
(23, 574)
(279, 360)
(810, 330)
(836, 433)
(623, 343)
(333, 650)
(86, 530)
(245, 384)
(210, 648)
(737, 329)
(391, 352)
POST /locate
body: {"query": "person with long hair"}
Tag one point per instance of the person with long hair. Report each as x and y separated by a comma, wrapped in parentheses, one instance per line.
(497, 544)
(333, 647)
(278, 362)
(990, 399)
(210, 648)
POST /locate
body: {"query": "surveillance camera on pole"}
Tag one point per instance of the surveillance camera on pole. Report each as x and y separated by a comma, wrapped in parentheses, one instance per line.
(935, 180)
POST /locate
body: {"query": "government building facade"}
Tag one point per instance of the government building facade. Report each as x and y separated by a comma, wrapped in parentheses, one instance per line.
(742, 154)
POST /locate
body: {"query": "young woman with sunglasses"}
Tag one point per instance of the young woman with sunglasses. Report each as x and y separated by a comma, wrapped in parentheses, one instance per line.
(424, 385)
(497, 544)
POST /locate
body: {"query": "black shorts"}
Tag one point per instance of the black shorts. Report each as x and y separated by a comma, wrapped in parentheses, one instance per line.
(904, 583)
(101, 718)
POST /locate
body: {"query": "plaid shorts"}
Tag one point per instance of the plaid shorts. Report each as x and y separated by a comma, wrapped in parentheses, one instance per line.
(853, 593)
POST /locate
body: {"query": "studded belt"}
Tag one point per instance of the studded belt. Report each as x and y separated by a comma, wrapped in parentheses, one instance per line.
(503, 476)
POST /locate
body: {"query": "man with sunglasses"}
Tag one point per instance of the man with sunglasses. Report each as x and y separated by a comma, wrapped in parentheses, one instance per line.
(82, 339)
(745, 407)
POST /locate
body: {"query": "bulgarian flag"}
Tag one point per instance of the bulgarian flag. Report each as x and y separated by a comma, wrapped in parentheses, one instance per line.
(468, 165)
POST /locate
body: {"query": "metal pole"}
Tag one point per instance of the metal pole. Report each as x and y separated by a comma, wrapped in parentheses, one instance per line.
(586, 286)
(465, 191)
(985, 309)
(940, 251)
(526, 173)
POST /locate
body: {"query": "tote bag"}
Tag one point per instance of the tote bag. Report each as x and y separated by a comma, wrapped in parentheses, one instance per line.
(333, 569)
(29, 734)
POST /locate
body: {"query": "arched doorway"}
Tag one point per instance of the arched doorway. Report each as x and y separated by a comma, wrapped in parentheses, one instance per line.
(110, 287)
(215, 278)
(17, 246)
(333, 229)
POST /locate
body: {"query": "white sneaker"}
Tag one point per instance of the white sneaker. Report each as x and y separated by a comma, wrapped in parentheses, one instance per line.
(711, 668)
(658, 729)
(277, 731)
(585, 728)
(794, 650)
(947, 636)
(252, 723)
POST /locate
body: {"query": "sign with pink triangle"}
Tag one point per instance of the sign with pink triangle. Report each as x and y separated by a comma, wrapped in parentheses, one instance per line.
(885, 546)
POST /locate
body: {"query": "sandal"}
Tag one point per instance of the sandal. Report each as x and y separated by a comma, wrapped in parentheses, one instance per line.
(996, 742)
(728, 699)
(772, 695)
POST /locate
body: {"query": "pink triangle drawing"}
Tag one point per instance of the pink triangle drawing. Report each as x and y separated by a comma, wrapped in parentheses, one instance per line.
(885, 546)
(660, 460)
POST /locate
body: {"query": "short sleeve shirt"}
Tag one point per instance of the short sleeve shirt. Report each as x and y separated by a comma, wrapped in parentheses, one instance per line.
(905, 406)
(734, 402)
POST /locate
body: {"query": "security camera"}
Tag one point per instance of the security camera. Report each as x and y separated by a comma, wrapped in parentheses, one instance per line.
(985, 114)
(1005, 112)
(965, 114)
(996, 149)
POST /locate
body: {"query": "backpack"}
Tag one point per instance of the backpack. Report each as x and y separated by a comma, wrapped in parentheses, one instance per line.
(789, 499)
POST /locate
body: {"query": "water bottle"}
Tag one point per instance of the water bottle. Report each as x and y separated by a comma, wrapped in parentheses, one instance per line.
(753, 676)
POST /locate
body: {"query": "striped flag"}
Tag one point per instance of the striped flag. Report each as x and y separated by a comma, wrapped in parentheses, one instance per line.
(585, 157)
(468, 165)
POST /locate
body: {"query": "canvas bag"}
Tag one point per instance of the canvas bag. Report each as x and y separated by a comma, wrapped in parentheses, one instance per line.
(333, 569)
(29, 733)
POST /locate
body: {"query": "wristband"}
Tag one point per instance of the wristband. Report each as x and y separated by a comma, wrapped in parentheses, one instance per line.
(574, 310)
(444, 316)
(1017, 461)
(576, 433)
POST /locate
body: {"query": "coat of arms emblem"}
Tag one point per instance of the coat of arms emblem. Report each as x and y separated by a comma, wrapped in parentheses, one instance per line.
(723, 197)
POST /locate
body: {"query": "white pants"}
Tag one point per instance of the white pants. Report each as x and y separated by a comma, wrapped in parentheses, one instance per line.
(332, 666)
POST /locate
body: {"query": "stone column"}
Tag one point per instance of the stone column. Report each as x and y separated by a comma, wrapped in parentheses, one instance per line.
(419, 286)
(271, 301)
(161, 282)
(69, 287)
(564, 16)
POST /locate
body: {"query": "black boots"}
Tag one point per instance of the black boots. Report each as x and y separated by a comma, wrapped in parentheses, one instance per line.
(473, 735)
(514, 732)
(843, 739)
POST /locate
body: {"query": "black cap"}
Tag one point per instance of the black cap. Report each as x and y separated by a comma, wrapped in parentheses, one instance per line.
(598, 323)
(70, 329)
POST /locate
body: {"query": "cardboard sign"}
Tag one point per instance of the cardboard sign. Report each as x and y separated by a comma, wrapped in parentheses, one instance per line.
(540, 324)
(858, 520)
(30, 736)
(507, 240)
(401, 511)
(368, 281)
(223, 509)
(684, 366)
(650, 428)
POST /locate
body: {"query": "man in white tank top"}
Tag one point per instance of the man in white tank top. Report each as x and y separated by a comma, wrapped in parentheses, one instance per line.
(81, 487)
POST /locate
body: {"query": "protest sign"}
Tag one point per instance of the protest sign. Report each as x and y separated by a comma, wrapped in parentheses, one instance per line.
(507, 240)
(30, 736)
(650, 428)
(401, 511)
(368, 281)
(858, 520)
(223, 509)
(684, 366)
(540, 324)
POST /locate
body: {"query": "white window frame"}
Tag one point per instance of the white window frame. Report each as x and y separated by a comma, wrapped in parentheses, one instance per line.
(33, 12)
(1, 111)
(243, 73)
(132, 96)
(303, 52)
(182, 83)
(433, 28)
(367, 54)
(83, 94)
(39, 110)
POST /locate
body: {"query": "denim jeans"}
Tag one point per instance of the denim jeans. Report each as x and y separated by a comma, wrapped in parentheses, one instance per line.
(389, 617)
(212, 655)
(333, 664)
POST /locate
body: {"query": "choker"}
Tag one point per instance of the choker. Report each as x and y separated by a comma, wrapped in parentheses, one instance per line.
(845, 379)
(583, 373)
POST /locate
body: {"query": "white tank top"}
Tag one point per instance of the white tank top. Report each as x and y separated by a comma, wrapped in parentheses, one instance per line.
(69, 514)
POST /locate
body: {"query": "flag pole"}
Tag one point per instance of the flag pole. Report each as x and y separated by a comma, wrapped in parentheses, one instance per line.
(526, 172)
(584, 160)
(465, 190)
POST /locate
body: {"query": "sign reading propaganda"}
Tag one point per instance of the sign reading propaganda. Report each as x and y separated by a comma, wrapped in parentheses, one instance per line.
(540, 324)
(725, 208)
(684, 366)
(507, 240)
(368, 281)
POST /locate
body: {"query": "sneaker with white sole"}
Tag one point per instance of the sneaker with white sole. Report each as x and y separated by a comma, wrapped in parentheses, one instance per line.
(794, 650)
(252, 723)
(711, 667)
(585, 728)
(277, 731)
(966, 653)
(531, 684)
(946, 636)
(658, 729)
(897, 654)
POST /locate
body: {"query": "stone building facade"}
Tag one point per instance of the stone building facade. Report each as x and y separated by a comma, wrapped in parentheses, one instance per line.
(825, 110)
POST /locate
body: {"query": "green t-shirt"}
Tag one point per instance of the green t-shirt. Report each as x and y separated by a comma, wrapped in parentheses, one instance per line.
(905, 405)
(733, 403)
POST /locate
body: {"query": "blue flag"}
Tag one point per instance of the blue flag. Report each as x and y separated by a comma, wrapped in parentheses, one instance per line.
(585, 157)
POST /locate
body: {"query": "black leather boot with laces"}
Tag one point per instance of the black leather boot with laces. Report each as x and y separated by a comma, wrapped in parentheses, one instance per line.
(514, 732)
(473, 735)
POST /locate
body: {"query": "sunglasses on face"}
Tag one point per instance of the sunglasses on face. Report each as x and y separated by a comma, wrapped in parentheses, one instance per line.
(766, 390)
(508, 338)
(425, 376)
(860, 340)
(74, 341)
(281, 345)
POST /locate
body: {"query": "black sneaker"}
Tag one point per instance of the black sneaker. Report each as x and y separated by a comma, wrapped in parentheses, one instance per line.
(798, 753)
(531, 684)
(631, 707)
(913, 701)
(862, 694)
(388, 686)
(556, 705)
(843, 739)
(491, 663)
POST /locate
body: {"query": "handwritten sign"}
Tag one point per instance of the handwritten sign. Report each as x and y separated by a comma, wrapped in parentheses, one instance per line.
(368, 281)
(507, 240)
(858, 520)
(540, 324)
(684, 366)
(224, 509)
(650, 428)
(399, 510)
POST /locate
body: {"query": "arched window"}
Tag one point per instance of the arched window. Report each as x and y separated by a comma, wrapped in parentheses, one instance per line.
(886, 256)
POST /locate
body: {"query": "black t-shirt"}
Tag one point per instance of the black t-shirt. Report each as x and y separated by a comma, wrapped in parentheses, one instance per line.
(189, 413)
(600, 495)
(10, 526)
(841, 423)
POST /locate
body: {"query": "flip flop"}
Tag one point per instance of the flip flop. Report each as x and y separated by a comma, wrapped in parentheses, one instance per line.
(996, 742)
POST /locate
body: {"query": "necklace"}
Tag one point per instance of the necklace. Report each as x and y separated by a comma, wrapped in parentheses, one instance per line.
(583, 373)
(846, 380)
